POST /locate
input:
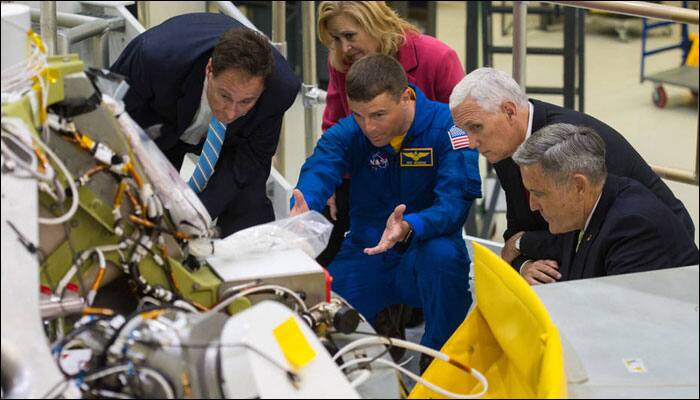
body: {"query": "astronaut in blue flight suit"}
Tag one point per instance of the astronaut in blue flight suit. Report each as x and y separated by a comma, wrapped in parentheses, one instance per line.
(411, 189)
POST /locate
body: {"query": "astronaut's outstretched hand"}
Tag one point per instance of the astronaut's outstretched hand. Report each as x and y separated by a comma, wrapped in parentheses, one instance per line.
(395, 231)
(300, 205)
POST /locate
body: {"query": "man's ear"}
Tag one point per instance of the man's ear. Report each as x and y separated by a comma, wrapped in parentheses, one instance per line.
(407, 95)
(208, 70)
(509, 108)
(581, 184)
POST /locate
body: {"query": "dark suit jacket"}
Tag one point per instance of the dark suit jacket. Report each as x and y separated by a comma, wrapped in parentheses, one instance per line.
(621, 159)
(630, 231)
(165, 67)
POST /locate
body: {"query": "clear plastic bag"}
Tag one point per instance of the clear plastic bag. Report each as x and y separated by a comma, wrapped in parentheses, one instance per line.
(186, 210)
(309, 232)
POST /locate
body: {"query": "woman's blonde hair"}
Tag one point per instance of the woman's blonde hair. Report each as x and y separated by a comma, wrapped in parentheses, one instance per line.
(375, 17)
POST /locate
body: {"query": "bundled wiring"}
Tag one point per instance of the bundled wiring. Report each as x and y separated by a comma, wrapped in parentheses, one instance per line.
(80, 260)
(476, 374)
(278, 290)
(47, 175)
(168, 391)
(380, 340)
(26, 75)
(19, 129)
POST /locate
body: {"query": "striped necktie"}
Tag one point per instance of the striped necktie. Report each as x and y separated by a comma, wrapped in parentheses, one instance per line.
(210, 154)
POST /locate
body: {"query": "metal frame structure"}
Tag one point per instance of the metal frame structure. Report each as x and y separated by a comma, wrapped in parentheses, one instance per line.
(279, 40)
(309, 89)
(684, 45)
(81, 27)
(572, 50)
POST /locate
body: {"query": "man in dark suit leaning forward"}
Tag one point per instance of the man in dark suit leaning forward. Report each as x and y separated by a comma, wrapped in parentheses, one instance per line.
(204, 84)
(621, 225)
(497, 115)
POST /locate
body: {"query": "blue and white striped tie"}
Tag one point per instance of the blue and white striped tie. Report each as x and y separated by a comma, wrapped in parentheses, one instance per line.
(210, 154)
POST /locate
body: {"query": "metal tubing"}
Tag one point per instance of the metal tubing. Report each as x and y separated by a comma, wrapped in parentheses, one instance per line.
(543, 90)
(308, 12)
(472, 38)
(54, 308)
(72, 20)
(637, 9)
(83, 27)
(87, 30)
(662, 49)
(64, 19)
(581, 51)
(677, 175)
(519, 41)
(279, 26)
(570, 58)
(48, 25)
(144, 12)
(486, 30)
(279, 40)
(104, 49)
(537, 51)
(232, 11)
(97, 30)
(530, 10)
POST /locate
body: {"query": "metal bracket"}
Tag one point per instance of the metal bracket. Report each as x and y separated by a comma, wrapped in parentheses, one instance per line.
(312, 95)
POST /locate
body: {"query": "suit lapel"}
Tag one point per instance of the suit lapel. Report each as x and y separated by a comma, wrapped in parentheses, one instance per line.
(539, 117)
(190, 96)
(581, 268)
(568, 255)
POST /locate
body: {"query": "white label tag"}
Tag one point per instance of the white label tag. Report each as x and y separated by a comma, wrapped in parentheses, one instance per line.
(634, 365)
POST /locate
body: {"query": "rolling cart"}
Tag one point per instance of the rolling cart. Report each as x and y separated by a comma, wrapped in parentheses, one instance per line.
(686, 75)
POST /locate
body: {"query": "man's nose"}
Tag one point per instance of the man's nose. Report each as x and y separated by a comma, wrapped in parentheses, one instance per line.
(534, 205)
(232, 112)
(370, 127)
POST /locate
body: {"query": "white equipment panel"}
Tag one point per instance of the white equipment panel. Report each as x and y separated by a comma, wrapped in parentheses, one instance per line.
(632, 335)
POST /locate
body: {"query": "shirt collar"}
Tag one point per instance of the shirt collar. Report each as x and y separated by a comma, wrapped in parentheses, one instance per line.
(588, 220)
(531, 112)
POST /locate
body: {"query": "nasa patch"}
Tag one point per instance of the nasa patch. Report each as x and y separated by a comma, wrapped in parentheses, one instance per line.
(378, 160)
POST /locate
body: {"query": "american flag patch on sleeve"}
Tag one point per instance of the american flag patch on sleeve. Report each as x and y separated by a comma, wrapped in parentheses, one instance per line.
(458, 137)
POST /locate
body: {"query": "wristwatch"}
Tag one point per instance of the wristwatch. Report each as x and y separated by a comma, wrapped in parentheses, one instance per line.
(406, 239)
(403, 244)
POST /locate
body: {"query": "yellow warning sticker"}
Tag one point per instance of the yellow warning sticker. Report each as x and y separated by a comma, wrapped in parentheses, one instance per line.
(294, 345)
